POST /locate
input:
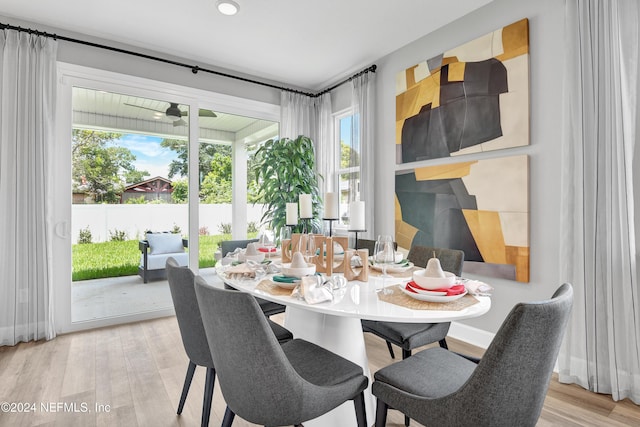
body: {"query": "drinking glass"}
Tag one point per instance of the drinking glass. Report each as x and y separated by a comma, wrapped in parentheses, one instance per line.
(308, 247)
(269, 242)
(384, 254)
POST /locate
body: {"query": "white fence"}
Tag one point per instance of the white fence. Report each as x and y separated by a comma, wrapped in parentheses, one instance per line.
(134, 220)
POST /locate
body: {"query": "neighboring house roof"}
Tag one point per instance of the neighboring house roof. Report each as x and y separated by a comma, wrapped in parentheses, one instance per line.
(152, 185)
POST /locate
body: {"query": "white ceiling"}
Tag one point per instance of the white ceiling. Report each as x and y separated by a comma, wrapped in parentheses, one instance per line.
(309, 44)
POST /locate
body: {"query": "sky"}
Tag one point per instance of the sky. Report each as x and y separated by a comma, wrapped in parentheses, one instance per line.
(150, 156)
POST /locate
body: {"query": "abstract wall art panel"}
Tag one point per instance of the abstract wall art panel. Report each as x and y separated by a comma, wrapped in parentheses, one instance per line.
(479, 206)
(470, 99)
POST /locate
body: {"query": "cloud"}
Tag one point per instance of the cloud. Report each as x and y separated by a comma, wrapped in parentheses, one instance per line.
(147, 146)
(150, 156)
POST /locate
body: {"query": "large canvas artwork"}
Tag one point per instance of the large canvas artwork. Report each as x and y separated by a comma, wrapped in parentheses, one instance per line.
(470, 99)
(479, 206)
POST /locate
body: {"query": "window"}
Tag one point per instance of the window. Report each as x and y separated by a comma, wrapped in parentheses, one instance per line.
(348, 167)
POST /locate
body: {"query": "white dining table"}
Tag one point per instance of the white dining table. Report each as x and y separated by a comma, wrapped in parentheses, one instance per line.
(335, 325)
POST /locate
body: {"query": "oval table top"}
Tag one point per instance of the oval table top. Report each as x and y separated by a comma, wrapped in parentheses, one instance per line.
(366, 300)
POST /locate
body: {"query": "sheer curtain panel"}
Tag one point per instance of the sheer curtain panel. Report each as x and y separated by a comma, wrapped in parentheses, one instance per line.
(305, 115)
(601, 351)
(27, 102)
(363, 101)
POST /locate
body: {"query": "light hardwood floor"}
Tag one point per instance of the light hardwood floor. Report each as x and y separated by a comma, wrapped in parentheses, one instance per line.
(132, 375)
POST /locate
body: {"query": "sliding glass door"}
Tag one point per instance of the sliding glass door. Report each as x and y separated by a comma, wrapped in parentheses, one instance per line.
(128, 158)
(129, 170)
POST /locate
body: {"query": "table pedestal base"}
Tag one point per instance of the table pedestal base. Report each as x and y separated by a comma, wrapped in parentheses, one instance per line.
(343, 336)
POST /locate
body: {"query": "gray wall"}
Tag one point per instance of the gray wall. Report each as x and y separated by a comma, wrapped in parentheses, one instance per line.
(546, 56)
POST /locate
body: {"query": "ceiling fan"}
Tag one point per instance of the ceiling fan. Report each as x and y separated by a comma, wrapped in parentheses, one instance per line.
(175, 114)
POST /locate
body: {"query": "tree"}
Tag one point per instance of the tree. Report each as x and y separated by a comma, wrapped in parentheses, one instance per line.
(216, 185)
(206, 153)
(180, 192)
(134, 176)
(348, 156)
(214, 168)
(99, 168)
(215, 171)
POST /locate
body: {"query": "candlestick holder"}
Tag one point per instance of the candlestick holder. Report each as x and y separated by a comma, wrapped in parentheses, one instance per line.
(356, 233)
(357, 272)
(330, 224)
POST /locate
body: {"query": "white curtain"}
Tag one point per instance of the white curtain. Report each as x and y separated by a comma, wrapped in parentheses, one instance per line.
(311, 116)
(601, 351)
(363, 100)
(27, 102)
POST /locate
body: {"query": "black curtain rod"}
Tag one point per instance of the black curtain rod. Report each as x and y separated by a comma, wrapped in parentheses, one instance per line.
(194, 68)
(371, 69)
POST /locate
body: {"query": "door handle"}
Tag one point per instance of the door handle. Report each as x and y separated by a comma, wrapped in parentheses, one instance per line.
(61, 230)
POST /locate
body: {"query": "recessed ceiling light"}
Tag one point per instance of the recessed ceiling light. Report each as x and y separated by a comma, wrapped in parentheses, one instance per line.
(228, 7)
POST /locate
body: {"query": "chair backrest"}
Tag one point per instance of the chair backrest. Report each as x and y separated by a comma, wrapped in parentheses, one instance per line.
(194, 337)
(227, 246)
(371, 244)
(451, 260)
(257, 380)
(510, 383)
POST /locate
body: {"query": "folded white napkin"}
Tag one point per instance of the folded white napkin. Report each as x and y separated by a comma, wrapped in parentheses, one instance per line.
(476, 287)
(313, 291)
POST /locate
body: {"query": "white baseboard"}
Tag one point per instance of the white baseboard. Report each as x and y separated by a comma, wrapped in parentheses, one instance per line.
(471, 335)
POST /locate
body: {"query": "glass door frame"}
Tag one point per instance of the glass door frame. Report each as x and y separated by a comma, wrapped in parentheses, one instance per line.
(70, 75)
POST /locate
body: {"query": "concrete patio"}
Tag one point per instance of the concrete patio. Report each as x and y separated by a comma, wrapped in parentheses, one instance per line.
(118, 296)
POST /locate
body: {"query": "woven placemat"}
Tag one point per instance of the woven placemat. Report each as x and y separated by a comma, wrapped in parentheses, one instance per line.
(409, 273)
(397, 297)
(271, 288)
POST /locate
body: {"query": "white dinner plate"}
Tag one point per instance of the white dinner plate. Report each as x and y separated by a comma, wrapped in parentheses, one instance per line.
(433, 298)
(427, 292)
(392, 268)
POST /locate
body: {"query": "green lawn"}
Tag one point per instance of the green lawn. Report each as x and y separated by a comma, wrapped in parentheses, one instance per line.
(113, 259)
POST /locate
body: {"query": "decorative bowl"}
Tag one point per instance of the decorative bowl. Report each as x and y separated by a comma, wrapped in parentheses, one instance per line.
(299, 272)
(431, 283)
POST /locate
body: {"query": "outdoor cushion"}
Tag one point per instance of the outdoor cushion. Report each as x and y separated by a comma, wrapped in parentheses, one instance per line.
(164, 243)
(157, 262)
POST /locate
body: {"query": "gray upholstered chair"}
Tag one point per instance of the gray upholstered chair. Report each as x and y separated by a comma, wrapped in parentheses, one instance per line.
(263, 382)
(507, 388)
(370, 245)
(409, 336)
(269, 308)
(194, 339)
(227, 246)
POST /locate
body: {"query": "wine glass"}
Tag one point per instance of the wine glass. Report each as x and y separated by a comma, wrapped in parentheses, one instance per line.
(308, 247)
(384, 254)
(269, 242)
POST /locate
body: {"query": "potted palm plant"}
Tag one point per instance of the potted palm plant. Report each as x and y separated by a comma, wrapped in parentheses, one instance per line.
(284, 169)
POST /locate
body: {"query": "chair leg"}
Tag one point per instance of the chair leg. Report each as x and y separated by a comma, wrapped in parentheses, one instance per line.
(443, 344)
(381, 413)
(208, 395)
(361, 414)
(229, 415)
(187, 383)
(405, 354)
(393, 356)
